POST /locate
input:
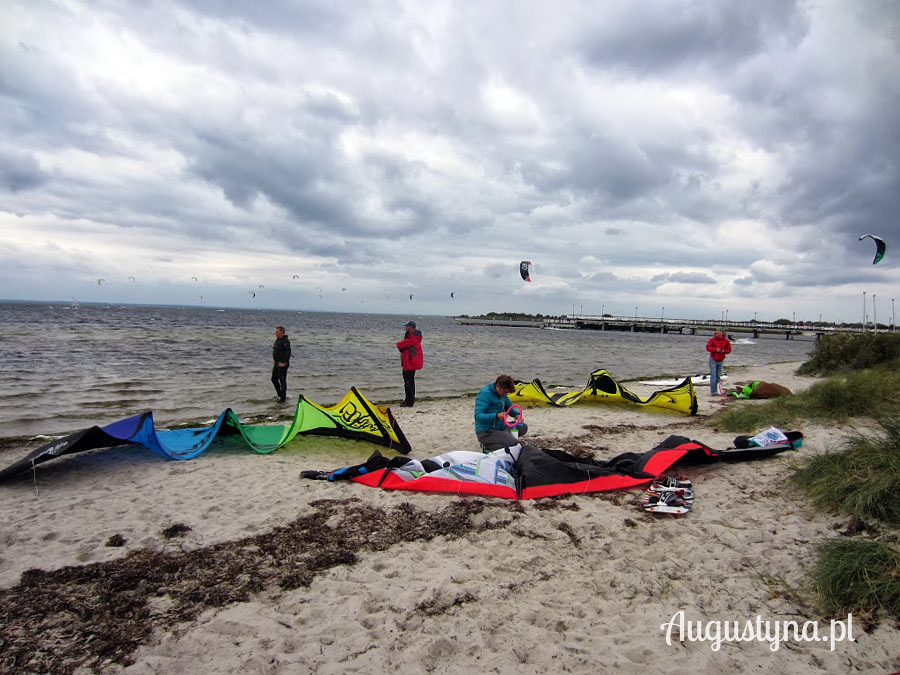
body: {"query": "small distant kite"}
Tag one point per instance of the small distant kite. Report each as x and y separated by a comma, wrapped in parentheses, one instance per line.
(261, 286)
(100, 282)
(452, 294)
(525, 270)
(132, 279)
(296, 276)
(410, 296)
(252, 295)
(195, 279)
(880, 247)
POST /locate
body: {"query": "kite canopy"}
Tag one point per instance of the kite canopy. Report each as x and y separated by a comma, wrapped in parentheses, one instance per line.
(880, 247)
(525, 270)
(527, 472)
(353, 417)
(603, 388)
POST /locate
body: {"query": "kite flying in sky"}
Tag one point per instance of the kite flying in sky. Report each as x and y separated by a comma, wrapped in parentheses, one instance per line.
(525, 270)
(880, 247)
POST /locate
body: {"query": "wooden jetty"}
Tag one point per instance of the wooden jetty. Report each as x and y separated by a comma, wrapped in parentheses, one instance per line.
(637, 324)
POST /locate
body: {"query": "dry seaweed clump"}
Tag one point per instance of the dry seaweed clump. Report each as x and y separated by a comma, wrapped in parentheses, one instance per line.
(90, 615)
(176, 530)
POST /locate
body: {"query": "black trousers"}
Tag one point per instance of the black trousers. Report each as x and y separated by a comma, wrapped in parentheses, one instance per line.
(279, 379)
(409, 386)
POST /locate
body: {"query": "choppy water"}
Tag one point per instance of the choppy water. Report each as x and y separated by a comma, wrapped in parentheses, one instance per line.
(64, 368)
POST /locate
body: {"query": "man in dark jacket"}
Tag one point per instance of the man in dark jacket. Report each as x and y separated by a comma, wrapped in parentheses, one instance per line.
(411, 360)
(281, 356)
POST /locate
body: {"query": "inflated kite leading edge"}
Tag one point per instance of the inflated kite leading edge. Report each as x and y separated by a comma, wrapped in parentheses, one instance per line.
(603, 388)
(353, 417)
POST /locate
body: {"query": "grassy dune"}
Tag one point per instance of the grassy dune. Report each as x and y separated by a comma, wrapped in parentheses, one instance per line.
(859, 573)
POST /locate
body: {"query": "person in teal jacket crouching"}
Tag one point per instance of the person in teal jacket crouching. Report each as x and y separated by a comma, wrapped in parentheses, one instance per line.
(491, 405)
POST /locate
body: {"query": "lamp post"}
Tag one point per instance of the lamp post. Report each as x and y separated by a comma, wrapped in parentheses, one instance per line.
(893, 318)
(662, 316)
(874, 315)
(726, 317)
(864, 312)
(635, 313)
(602, 310)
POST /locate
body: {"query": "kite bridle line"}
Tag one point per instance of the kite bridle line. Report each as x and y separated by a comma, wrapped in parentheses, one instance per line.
(34, 478)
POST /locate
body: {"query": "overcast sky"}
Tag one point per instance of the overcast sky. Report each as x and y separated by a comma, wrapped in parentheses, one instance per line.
(684, 158)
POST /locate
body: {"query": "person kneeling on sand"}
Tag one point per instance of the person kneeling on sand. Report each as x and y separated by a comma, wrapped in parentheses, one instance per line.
(491, 405)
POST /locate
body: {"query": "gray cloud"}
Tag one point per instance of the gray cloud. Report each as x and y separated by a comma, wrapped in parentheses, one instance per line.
(724, 145)
(20, 171)
(684, 278)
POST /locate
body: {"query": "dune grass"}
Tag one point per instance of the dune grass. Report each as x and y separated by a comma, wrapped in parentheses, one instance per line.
(860, 479)
(857, 575)
(861, 573)
(846, 352)
(863, 393)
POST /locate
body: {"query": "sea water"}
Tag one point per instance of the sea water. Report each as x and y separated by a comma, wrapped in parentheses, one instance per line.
(64, 367)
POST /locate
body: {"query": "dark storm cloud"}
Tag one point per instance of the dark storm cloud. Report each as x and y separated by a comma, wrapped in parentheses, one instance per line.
(43, 103)
(689, 35)
(594, 162)
(20, 171)
(620, 147)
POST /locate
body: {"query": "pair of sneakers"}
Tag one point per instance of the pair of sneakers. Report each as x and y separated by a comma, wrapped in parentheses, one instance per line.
(669, 494)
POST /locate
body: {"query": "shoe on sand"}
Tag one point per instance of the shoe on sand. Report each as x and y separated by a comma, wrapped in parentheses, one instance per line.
(670, 483)
(666, 502)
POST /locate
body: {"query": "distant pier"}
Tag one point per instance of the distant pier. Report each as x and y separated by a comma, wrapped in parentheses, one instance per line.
(636, 324)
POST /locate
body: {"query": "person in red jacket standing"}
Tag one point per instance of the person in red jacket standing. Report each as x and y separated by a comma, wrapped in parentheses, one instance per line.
(718, 347)
(411, 360)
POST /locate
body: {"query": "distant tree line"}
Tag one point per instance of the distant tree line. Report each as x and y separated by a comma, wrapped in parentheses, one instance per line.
(513, 316)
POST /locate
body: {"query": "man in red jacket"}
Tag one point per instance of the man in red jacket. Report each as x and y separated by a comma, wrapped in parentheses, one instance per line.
(718, 346)
(411, 360)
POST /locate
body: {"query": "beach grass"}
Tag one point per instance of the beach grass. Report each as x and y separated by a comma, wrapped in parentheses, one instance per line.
(872, 392)
(861, 573)
(846, 351)
(858, 575)
(860, 479)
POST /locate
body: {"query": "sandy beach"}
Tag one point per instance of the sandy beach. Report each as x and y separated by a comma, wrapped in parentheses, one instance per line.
(261, 571)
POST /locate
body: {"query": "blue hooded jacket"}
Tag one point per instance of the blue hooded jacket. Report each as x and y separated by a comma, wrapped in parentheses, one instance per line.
(487, 404)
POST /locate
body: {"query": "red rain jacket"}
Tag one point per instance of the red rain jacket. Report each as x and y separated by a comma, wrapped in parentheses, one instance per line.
(411, 356)
(718, 343)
